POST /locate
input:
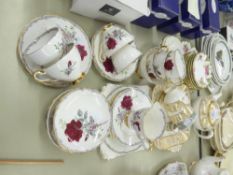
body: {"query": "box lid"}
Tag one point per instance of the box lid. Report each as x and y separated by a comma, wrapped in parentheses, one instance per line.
(138, 5)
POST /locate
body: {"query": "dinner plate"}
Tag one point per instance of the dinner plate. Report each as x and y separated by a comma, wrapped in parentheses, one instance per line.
(106, 68)
(125, 102)
(40, 25)
(81, 120)
(49, 119)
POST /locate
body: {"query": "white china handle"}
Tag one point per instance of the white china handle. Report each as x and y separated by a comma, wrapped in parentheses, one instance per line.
(209, 136)
(42, 73)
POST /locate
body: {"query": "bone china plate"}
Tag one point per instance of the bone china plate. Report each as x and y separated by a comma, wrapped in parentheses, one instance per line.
(81, 120)
(41, 25)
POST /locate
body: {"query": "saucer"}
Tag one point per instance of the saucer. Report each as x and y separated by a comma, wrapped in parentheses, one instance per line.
(131, 99)
(40, 25)
(106, 68)
(78, 125)
(176, 168)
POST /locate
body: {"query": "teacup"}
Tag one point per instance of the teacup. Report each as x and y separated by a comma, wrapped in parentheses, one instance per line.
(114, 38)
(175, 67)
(177, 93)
(125, 57)
(46, 48)
(65, 69)
(150, 123)
(208, 114)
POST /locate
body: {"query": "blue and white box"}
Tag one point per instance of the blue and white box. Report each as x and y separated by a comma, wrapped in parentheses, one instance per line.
(161, 11)
(189, 17)
(210, 20)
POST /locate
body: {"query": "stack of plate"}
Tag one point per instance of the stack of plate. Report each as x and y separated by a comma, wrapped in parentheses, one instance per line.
(215, 46)
(76, 125)
(198, 70)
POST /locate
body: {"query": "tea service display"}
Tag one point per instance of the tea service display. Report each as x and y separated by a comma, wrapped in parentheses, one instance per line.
(216, 48)
(175, 168)
(55, 51)
(76, 126)
(115, 53)
(207, 165)
(129, 118)
(208, 116)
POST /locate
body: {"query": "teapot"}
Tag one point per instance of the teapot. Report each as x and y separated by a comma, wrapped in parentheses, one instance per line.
(207, 166)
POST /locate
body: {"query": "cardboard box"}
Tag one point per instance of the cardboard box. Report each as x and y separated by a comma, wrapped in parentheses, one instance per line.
(118, 11)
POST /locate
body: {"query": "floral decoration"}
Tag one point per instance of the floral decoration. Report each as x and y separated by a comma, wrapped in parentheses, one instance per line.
(83, 125)
(127, 103)
(74, 130)
(82, 51)
(111, 43)
(112, 38)
(70, 67)
(168, 65)
(108, 65)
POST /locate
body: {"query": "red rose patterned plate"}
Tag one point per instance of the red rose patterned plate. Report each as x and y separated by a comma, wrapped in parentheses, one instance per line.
(75, 35)
(126, 102)
(105, 66)
(81, 120)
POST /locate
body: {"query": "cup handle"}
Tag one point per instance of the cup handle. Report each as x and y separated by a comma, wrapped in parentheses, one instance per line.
(209, 136)
(37, 74)
(47, 81)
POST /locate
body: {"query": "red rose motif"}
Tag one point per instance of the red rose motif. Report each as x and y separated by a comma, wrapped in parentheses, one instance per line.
(108, 65)
(74, 131)
(168, 65)
(111, 43)
(82, 51)
(127, 103)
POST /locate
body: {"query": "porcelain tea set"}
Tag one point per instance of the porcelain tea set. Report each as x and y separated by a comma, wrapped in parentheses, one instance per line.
(130, 118)
(55, 51)
(115, 53)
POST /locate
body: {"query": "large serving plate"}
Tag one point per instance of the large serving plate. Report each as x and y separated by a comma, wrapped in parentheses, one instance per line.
(40, 25)
(106, 68)
(81, 120)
